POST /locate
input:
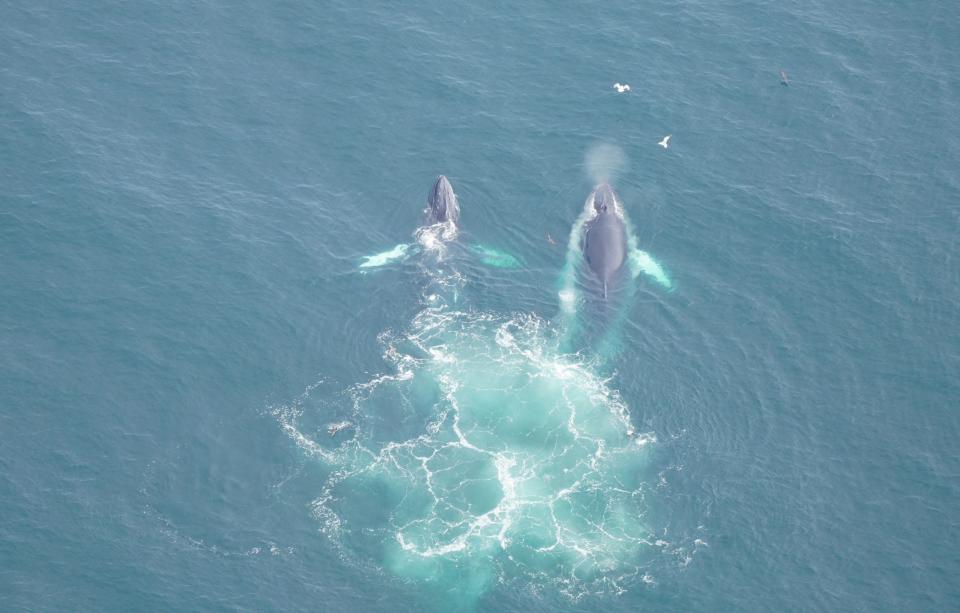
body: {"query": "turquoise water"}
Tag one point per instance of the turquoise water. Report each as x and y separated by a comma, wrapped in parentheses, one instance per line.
(190, 191)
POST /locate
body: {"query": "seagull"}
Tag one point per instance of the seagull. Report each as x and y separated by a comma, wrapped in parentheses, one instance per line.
(621, 87)
(666, 141)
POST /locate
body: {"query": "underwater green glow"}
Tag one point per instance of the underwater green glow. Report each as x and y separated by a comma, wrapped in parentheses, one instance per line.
(494, 257)
(487, 457)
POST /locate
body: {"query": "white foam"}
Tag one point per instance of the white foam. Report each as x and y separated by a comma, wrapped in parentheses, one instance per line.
(645, 439)
(495, 438)
(335, 427)
(434, 237)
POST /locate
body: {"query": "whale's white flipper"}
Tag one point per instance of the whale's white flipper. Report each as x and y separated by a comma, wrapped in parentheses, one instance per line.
(495, 257)
(643, 262)
(399, 252)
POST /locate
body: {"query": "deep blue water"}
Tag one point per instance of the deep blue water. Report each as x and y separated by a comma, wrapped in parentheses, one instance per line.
(187, 191)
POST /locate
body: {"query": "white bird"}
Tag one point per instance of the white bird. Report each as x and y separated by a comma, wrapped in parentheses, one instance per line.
(621, 87)
(666, 141)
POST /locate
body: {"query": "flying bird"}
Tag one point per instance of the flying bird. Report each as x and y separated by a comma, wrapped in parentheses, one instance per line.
(621, 87)
(666, 141)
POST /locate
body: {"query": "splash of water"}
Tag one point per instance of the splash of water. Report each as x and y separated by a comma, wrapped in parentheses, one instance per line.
(487, 456)
(436, 237)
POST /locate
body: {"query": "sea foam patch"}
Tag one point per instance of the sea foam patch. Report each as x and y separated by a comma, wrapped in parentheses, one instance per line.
(485, 457)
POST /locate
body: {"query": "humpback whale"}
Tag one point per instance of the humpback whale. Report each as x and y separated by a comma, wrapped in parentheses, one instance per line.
(441, 228)
(442, 204)
(597, 282)
(605, 238)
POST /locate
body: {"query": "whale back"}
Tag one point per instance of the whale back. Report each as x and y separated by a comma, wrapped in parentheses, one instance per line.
(605, 248)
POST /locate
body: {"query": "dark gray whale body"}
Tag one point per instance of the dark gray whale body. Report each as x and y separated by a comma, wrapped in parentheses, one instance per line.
(442, 204)
(605, 239)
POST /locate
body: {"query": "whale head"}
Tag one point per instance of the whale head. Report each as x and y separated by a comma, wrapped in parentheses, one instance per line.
(442, 204)
(604, 199)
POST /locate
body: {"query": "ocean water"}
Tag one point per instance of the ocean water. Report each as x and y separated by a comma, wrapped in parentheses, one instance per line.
(767, 421)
